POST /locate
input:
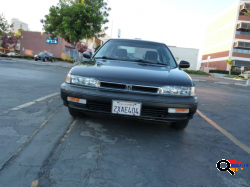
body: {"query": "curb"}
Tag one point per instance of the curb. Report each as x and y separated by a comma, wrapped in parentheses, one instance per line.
(40, 64)
(231, 79)
(241, 84)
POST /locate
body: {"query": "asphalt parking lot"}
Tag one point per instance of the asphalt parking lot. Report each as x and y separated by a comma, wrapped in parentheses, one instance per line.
(42, 145)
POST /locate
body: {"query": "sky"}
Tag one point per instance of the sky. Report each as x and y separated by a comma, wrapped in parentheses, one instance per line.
(180, 23)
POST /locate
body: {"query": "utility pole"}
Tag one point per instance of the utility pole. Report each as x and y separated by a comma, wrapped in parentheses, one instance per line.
(119, 33)
(112, 28)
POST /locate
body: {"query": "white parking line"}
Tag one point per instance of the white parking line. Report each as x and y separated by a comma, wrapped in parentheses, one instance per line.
(33, 102)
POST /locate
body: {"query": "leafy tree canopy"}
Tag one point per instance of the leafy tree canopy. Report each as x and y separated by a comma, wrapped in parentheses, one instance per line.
(18, 34)
(5, 28)
(230, 62)
(74, 20)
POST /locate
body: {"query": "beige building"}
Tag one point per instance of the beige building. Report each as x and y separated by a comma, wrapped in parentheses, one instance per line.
(17, 24)
(228, 36)
(92, 43)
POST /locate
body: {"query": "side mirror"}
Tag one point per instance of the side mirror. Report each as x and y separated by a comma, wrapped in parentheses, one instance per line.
(87, 54)
(184, 64)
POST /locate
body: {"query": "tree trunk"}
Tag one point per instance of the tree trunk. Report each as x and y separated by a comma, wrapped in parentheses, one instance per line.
(77, 54)
(230, 70)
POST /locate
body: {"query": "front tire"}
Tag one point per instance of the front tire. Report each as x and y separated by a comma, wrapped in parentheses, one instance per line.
(180, 125)
(52, 60)
(45, 59)
(76, 113)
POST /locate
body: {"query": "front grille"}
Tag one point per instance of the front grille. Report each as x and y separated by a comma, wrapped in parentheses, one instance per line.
(144, 89)
(131, 88)
(112, 85)
(102, 107)
(146, 111)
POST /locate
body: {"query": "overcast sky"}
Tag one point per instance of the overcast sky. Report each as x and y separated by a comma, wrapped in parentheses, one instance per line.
(175, 22)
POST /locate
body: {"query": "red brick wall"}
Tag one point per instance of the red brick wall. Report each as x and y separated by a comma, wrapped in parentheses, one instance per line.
(241, 55)
(216, 55)
(34, 43)
(221, 65)
(240, 36)
(244, 18)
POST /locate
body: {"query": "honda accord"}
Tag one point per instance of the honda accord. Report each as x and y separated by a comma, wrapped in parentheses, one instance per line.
(132, 78)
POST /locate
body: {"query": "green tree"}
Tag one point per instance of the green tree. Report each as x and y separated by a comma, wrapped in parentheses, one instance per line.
(230, 62)
(5, 28)
(74, 20)
(18, 34)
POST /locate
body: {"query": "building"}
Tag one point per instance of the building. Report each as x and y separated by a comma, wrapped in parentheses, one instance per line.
(17, 24)
(187, 54)
(228, 36)
(36, 42)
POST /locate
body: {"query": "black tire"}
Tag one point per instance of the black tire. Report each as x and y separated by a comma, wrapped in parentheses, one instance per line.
(52, 60)
(45, 59)
(180, 125)
(35, 59)
(75, 113)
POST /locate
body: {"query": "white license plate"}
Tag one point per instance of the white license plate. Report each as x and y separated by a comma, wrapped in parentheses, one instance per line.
(126, 108)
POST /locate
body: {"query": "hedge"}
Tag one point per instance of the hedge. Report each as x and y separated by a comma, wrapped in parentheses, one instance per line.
(224, 72)
(31, 57)
(195, 72)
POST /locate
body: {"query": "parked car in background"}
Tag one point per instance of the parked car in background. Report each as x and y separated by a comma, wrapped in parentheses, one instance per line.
(45, 57)
(4, 55)
(245, 75)
(12, 54)
(147, 85)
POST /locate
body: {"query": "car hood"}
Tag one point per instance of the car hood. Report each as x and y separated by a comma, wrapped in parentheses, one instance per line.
(132, 73)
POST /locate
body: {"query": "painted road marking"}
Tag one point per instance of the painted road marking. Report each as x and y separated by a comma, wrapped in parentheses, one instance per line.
(68, 131)
(34, 183)
(227, 134)
(35, 132)
(33, 102)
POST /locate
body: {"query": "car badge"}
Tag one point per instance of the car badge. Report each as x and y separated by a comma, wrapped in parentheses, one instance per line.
(128, 87)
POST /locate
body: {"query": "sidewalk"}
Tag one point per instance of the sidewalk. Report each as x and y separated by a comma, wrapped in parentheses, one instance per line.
(40, 63)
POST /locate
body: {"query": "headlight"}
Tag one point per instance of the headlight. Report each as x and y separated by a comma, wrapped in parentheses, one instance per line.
(85, 81)
(177, 90)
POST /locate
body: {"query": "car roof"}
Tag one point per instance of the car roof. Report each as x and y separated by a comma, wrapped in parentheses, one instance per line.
(146, 41)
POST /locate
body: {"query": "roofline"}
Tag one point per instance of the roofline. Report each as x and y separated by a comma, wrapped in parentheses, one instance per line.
(136, 40)
(184, 47)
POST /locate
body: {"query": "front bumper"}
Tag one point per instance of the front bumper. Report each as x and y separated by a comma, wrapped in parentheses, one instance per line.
(38, 58)
(154, 107)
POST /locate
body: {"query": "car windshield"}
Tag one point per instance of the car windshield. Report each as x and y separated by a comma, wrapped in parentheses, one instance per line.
(42, 53)
(140, 51)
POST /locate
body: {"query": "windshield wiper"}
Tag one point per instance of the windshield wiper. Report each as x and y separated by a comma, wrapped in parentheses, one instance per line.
(105, 57)
(145, 61)
(151, 62)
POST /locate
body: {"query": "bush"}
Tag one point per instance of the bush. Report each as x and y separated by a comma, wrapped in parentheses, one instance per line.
(69, 60)
(224, 72)
(65, 56)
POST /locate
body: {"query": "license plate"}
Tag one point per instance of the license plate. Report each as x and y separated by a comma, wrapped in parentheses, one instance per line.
(126, 108)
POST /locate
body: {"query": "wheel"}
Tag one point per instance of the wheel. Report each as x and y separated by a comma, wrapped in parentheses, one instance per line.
(45, 59)
(75, 113)
(35, 59)
(180, 125)
(52, 60)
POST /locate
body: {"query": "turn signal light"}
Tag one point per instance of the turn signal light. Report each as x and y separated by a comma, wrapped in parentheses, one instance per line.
(77, 100)
(178, 110)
